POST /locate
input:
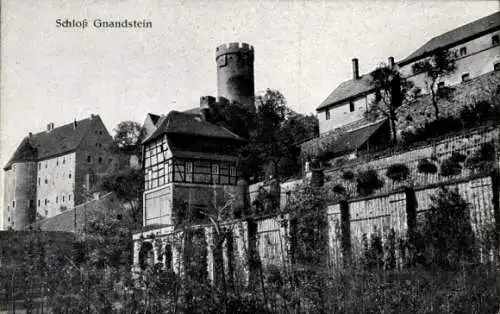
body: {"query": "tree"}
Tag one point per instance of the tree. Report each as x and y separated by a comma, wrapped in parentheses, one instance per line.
(128, 185)
(128, 136)
(439, 65)
(273, 133)
(390, 93)
(447, 230)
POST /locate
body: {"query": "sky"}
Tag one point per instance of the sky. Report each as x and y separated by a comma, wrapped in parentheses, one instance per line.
(302, 48)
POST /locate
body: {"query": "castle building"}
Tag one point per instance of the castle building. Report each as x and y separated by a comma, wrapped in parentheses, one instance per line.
(52, 171)
(190, 163)
(475, 47)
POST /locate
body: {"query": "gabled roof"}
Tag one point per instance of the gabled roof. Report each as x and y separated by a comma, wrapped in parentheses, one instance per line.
(154, 118)
(456, 36)
(189, 124)
(57, 141)
(350, 141)
(347, 90)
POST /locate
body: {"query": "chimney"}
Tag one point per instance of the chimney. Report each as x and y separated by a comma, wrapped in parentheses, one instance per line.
(390, 62)
(30, 135)
(355, 69)
(206, 104)
(50, 126)
(74, 124)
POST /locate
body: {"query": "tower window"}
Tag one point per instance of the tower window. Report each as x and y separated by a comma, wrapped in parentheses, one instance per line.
(327, 114)
(46, 181)
(465, 77)
(45, 201)
(463, 51)
(63, 199)
(351, 106)
(495, 40)
(69, 175)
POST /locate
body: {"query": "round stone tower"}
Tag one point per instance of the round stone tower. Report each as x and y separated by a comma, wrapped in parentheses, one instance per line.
(24, 198)
(235, 80)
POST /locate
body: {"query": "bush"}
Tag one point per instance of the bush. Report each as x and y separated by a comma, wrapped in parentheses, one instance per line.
(483, 159)
(447, 230)
(339, 188)
(368, 181)
(397, 172)
(426, 166)
(450, 168)
(457, 157)
(348, 175)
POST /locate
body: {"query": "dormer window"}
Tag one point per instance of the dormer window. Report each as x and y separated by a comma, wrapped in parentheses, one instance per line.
(465, 77)
(327, 114)
(351, 106)
(463, 51)
(496, 66)
(495, 40)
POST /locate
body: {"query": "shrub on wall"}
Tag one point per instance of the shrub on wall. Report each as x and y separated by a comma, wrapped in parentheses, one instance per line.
(483, 159)
(397, 172)
(368, 181)
(339, 189)
(450, 168)
(457, 157)
(348, 175)
(426, 166)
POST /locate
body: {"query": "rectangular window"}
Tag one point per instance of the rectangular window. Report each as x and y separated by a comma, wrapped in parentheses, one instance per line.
(38, 203)
(327, 114)
(495, 40)
(463, 51)
(351, 106)
(189, 171)
(13, 204)
(158, 207)
(89, 159)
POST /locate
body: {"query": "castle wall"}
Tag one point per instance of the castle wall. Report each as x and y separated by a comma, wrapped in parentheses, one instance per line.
(466, 143)
(93, 157)
(417, 113)
(54, 185)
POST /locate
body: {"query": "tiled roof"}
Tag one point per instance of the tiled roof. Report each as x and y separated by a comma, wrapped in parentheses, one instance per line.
(348, 89)
(456, 36)
(184, 123)
(57, 141)
(350, 141)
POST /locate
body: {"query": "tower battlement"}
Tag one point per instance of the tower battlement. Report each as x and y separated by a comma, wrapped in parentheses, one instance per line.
(235, 47)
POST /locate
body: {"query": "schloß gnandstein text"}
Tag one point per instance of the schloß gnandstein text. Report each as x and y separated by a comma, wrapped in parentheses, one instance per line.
(101, 23)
